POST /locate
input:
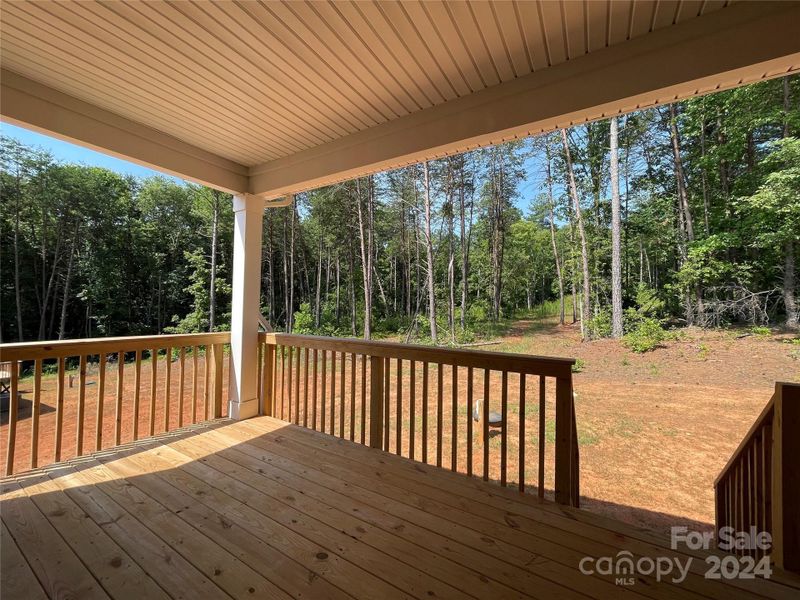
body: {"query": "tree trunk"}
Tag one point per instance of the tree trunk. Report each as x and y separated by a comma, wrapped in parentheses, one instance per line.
(685, 211)
(464, 254)
(680, 176)
(789, 299)
(429, 250)
(338, 284)
(318, 303)
(290, 314)
(586, 309)
(67, 282)
(365, 237)
(212, 292)
(616, 263)
(17, 294)
(559, 273)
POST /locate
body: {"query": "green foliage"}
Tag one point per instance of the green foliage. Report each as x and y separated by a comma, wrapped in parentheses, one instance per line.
(647, 335)
(304, 320)
(599, 326)
(579, 365)
(761, 331)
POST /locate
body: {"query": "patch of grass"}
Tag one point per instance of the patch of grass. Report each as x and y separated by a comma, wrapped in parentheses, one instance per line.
(579, 365)
(550, 431)
(626, 427)
(625, 361)
(760, 331)
(703, 352)
(654, 369)
(587, 437)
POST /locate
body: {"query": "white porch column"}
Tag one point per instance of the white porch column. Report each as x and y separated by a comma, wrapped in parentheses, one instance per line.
(245, 306)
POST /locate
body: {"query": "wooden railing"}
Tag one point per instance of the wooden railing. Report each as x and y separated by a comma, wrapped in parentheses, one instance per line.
(760, 485)
(125, 407)
(419, 402)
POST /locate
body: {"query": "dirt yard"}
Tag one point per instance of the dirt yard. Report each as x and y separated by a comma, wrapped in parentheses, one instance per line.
(654, 429)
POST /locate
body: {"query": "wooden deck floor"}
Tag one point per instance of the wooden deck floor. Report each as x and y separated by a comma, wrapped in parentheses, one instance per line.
(262, 509)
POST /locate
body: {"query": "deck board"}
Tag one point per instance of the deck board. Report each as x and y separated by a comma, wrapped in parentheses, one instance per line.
(260, 508)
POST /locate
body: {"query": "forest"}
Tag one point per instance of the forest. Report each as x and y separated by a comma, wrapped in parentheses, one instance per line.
(675, 215)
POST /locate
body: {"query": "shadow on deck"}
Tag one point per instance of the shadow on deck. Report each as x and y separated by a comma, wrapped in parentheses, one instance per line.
(261, 508)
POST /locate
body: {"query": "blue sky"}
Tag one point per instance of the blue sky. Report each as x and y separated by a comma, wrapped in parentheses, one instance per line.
(72, 153)
(66, 152)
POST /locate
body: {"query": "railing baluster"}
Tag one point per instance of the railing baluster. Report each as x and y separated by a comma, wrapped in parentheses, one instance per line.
(542, 426)
(167, 387)
(376, 401)
(521, 460)
(425, 412)
(387, 386)
(412, 408)
(120, 390)
(297, 388)
(35, 409)
(195, 351)
(341, 393)
(13, 409)
(305, 388)
(59, 409)
(219, 375)
(181, 382)
(485, 423)
(454, 420)
(399, 398)
(314, 361)
(504, 430)
(101, 396)
(333, 392)
(469, 421)
(352, 396)
(137, 383)
(289, 383)
(439, 399)
(267, 406)
(153, 391)
(323, 389)
(363, 399)
(281, 358)
(79, 413)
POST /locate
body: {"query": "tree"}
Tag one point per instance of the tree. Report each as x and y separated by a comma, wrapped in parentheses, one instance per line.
(616, 262)
(576, 205)
(429, 253)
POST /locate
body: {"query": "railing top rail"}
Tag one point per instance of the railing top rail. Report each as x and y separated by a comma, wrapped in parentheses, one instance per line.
(766, 414)
(481, 359)
(64, 348)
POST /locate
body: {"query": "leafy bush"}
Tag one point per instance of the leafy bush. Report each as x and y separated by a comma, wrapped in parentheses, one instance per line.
(599, 326)
(304, 320)
(648, 303)
(646, 336)
(478, 312)
(761, 331)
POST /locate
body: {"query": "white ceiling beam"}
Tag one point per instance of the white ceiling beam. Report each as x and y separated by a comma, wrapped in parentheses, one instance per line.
(35, 106)
(746, 42)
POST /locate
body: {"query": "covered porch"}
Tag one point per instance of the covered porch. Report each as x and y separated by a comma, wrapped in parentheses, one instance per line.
(286, 465)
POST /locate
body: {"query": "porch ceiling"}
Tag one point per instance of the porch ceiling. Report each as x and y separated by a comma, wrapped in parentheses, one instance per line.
(281, 96)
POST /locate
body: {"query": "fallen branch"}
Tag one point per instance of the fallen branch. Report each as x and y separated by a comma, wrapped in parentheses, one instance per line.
(479, 344)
